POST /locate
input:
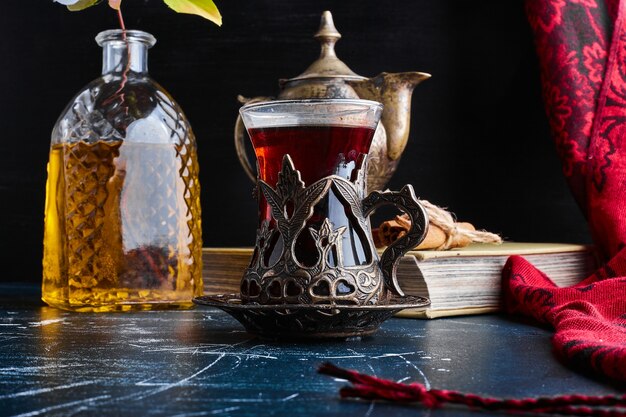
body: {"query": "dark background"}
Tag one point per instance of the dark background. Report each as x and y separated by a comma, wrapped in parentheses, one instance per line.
(479, 142)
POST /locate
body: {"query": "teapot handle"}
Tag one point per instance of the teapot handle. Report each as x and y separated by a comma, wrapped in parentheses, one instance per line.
(406, 200)
(240, 138)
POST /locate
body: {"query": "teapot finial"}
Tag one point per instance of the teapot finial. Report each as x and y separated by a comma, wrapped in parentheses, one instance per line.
(327, 35)
(327, 65)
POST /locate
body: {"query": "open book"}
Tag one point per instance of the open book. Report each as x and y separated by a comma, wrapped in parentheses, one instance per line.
(462, 281)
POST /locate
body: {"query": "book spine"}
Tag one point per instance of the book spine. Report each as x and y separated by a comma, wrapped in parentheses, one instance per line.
(222, 272)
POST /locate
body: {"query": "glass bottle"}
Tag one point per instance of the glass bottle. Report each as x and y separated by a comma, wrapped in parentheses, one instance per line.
(122, 216)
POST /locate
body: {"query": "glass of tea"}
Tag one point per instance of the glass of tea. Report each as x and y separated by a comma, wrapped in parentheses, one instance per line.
(314, 243)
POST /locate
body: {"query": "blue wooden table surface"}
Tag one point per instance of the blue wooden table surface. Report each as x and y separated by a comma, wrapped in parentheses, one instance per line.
(201, 363)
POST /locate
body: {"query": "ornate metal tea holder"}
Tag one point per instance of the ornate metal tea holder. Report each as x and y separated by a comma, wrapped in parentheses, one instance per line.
(283, 298)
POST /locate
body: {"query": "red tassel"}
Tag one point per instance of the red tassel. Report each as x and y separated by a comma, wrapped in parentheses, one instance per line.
(373, 388)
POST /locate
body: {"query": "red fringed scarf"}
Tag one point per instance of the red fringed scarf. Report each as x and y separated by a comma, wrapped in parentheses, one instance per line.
(373, 388)
(582, 52)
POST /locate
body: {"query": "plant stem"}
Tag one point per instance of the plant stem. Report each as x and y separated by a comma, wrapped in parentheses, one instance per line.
(127, 67)
(121, 19)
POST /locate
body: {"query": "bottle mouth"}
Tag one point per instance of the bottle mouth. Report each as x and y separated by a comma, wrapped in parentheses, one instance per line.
(117, 35)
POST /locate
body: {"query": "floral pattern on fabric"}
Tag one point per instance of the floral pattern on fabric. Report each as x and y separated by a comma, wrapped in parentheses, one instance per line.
(582, 53)
(571, 43)
(590, 326)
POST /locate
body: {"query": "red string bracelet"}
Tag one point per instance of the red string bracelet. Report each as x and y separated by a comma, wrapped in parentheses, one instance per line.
(373, 388)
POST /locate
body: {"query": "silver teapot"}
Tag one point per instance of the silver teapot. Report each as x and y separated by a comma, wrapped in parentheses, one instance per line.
(329, 77)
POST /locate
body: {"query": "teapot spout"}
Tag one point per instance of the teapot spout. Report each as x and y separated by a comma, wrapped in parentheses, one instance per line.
(394, 91)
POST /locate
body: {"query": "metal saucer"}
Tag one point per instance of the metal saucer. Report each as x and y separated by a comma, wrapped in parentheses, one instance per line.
(310, 321)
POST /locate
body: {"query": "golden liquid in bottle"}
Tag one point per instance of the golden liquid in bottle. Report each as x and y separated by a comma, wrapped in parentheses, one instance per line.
(122, 227)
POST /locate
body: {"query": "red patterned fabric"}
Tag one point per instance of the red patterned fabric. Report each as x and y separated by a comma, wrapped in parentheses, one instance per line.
(589, 318)
(582, 53)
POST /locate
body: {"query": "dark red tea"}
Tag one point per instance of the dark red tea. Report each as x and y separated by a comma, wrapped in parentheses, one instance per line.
(313, 149)
(317, 152)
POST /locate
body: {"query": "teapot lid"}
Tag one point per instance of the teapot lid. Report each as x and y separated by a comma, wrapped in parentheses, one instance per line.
(327, 65)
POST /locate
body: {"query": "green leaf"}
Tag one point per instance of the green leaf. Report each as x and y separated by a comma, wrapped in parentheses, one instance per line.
(204, 8)
(82, 5)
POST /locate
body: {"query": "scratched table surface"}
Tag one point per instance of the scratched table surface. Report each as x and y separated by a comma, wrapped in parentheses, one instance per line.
(201, 363)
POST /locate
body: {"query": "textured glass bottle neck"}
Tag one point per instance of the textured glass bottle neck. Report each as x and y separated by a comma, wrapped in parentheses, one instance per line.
(117, 55)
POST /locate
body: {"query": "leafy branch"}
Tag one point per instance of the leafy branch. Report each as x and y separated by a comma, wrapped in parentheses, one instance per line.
(203, 8)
